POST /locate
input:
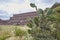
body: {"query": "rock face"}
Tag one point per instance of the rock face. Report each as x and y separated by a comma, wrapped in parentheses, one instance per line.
(19, 19)
(4, 22)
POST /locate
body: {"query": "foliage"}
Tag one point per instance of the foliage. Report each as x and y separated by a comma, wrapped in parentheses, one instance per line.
(33, 5)
(19, 32)
(42, 27)
(57, 13)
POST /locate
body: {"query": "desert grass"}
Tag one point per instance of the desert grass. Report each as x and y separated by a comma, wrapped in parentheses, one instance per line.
(7, 31)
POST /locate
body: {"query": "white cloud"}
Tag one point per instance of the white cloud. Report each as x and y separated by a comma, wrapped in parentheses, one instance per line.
(14, 7)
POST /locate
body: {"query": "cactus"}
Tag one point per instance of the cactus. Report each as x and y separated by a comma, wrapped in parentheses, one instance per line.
(41, 29)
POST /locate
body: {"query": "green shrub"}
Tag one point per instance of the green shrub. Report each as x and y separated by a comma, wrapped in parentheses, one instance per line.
(19, 32)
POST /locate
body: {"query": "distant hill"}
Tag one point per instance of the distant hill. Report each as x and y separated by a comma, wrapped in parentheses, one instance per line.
(55, 5)
(56, 8)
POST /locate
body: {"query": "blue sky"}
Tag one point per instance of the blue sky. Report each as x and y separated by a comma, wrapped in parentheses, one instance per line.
(10, 7)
